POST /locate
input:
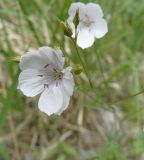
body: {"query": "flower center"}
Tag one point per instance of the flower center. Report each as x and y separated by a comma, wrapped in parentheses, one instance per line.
(58, 74)
(87, 22)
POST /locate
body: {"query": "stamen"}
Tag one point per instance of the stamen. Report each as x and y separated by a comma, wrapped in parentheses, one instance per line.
(56, 83)
(46, 86)
(40, 75)
(58, 75)
(46, 65)
(87, 22)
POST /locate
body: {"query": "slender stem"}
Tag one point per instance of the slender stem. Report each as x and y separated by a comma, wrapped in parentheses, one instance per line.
(82, 62)
(101, 69)
(128, 97)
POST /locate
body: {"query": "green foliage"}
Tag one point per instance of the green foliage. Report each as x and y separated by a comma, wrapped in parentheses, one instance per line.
(4, 153)
(111, 151)
(68, 149)
(139, 144)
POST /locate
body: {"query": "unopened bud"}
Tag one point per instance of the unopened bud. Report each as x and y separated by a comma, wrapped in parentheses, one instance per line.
(76, 18)
(15, 59)
(66, 28)
(77, 69)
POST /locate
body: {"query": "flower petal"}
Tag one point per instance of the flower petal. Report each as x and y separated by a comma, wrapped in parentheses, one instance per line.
(53, 57)
(74, 6)
(31, 60)
(66, 99)
(71, 24)
(94, 11)
(68, 82)
(85, 38)
(42, 57)
(30, 83)
(100, 28)
(51, 100)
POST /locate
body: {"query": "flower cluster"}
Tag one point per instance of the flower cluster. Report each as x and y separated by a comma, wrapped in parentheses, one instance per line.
(43, 71)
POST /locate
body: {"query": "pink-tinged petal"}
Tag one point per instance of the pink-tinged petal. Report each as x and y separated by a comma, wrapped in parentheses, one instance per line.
(51, 100)
(30, 82)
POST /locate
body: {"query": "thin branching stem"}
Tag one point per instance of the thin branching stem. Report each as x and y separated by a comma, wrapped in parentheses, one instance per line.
(128, 97)
(101, 69)
(82, 62)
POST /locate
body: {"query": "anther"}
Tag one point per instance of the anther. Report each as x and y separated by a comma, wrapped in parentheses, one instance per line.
(46, 65)
(46, 85)
(56, 83)
(54, 69)
(40, 75)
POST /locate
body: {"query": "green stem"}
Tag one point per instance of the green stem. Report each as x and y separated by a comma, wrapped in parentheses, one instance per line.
(128, 97)
(101, 69)
(82, 62)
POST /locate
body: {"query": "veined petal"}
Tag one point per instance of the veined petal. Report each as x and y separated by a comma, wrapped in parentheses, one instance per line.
(94, 11)
(51, 100)
(31, 60)
(100, 28)
(74, 6)
(30, 83)
(53, 57)
(85, 38)
(42, 57)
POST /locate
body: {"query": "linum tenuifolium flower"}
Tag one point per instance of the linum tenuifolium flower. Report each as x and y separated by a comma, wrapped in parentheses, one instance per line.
(91, 23)
(43, 72)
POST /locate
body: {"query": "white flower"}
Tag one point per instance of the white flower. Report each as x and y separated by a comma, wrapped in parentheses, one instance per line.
(91, 23)
(43, 72)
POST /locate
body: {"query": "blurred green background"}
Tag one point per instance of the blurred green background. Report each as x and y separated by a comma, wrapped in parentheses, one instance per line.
(103, 123)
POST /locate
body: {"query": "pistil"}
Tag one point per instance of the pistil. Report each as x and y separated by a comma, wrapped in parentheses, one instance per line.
(87, 22)
(58, 74)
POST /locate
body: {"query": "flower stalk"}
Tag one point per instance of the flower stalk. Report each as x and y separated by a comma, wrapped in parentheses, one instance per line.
(82, 63)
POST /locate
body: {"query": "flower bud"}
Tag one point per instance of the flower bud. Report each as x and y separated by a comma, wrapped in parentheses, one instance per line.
(15, 59)
(76, 18)
(77, 69)
(66, 28)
